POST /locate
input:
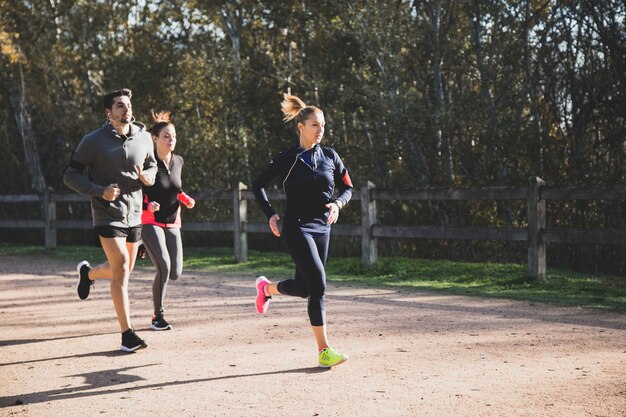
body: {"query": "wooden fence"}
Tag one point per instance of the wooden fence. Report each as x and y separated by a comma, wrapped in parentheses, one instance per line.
(535, 195)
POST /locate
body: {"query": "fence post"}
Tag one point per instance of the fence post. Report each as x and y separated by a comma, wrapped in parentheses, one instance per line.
(536, 223)
(369, 247)
(49, 219)
(240, 217)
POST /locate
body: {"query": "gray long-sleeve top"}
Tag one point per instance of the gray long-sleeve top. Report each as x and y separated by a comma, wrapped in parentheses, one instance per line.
(110, 158)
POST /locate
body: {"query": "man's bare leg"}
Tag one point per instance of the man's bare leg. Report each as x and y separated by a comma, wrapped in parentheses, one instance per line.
(103, 271)
(118, 270)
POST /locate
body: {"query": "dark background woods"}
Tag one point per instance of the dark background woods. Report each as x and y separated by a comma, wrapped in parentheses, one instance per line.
(416, 94)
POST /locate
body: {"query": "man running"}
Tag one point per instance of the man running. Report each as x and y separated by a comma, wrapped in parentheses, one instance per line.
(118, 159)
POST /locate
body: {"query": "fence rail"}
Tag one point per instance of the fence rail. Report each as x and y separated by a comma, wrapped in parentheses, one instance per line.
(535, 195)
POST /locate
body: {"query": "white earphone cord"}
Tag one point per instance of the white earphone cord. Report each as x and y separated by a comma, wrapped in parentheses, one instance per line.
(291, 169)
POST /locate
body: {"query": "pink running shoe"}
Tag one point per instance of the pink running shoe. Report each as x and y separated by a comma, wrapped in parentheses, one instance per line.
(262, 300)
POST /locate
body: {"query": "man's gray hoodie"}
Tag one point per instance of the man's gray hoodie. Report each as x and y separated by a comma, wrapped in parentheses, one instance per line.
(112, 159)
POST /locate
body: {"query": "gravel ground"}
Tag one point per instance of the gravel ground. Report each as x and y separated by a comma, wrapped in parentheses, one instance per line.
(411, 354)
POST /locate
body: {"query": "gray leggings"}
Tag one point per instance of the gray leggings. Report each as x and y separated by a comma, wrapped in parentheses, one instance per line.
(165, 248)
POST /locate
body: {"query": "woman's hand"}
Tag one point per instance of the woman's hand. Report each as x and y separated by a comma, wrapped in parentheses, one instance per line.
(153, 206)
(333, 214)
(190, 203)
(186, 200)
(274, 224)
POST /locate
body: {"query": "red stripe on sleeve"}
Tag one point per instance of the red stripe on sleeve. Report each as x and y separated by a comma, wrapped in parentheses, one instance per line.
(346, 180)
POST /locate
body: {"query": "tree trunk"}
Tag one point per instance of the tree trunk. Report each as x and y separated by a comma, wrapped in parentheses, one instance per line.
(502, 177)
(531, 91)
(233, 22)
(443, 140)
(22, 114)
(485, 80)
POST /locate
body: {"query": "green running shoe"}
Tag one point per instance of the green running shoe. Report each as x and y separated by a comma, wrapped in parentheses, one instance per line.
(330, 358)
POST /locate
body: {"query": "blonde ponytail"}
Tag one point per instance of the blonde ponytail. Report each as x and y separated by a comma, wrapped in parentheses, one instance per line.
(295, 109)
(291, 106)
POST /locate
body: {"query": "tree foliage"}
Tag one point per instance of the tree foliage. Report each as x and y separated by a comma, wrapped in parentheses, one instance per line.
(416, 93)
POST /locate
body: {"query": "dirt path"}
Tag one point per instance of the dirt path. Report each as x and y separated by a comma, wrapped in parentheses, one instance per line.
(412, 354)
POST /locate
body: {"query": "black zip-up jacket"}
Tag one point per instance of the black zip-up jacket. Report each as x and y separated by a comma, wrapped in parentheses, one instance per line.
(308, 187)
(165, 190)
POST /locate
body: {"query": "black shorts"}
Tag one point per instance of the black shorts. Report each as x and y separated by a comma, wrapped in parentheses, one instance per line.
(132, 234)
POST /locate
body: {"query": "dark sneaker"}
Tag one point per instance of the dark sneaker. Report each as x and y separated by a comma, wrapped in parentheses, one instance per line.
(142, 253)
(159, 323)
(131, 342)
(83, 286)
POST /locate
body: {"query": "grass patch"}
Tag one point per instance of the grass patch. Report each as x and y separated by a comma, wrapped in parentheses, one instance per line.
(478, 279)
(486, 279)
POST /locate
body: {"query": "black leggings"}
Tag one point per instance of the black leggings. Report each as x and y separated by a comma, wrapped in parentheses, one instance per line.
(309, 251)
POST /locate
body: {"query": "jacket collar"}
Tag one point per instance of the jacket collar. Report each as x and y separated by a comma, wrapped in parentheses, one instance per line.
(296, 149)
(135, 129)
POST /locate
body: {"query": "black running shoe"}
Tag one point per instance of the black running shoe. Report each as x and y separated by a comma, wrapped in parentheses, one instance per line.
(131, 342)
(142, 253)
(83, 286)
(159, 323)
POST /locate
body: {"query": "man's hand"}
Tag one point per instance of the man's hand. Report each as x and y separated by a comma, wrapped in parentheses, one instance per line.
(111, 192)
(145, 179)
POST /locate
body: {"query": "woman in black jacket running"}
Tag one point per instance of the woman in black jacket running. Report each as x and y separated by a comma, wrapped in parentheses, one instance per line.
(309, 174)
(160, 219)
